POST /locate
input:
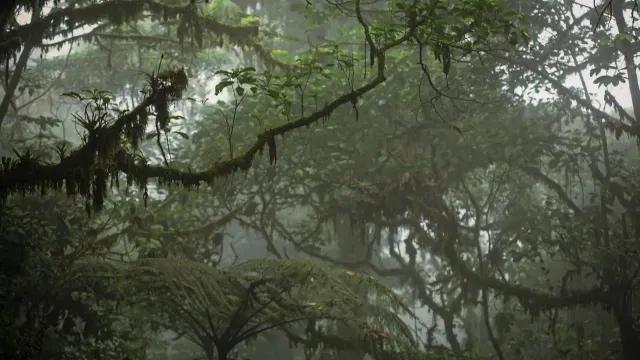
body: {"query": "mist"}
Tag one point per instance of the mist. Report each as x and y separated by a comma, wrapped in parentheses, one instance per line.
(319, 180)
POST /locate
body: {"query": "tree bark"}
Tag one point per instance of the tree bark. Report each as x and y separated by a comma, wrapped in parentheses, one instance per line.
(21, 64)
(208, 351)
(628, 53)
(223, 354)
(629, 335)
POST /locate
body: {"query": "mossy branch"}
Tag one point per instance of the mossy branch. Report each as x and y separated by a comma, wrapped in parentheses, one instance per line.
(64, 21)
(532, 300)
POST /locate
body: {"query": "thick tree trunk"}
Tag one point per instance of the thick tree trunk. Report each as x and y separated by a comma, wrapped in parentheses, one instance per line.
(15, 79)
(209, 352)
(223, 354)
(629, 335)
(628, 53)
(34, 38)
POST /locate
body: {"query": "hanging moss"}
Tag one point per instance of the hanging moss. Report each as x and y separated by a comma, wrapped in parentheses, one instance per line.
(238, 35)
(85, 171)
(8, 48)
(134, 130)
(63, 22)
(103, 150)
(99, 188)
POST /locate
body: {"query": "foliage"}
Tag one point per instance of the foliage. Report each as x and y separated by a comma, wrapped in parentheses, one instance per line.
(47, 310)
(219, 309)
(466, 172)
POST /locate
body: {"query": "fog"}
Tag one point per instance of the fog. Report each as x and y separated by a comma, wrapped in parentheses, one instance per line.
(288, 179)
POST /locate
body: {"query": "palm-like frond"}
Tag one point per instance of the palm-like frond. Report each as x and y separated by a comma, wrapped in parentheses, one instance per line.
(227, 306)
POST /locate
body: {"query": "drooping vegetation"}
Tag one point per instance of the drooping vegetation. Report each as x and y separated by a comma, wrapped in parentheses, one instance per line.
(234, 179)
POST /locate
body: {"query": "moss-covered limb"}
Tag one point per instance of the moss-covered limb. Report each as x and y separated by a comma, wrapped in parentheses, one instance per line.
(79, 175)
(207, 228)
(237, 34)
(73, 17)
(64, 21)
(76, 171)
(137, 38)
(268, 138)
(263, 52)
(266, 56)
(532, 300)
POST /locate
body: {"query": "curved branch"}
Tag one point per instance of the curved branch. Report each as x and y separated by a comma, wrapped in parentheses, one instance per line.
(127, 165)
(117, 12)
(26, 176)
(531, 299)
(538, 175)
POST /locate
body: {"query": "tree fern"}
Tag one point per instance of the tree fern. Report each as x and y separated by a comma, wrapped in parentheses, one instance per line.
(220, 308)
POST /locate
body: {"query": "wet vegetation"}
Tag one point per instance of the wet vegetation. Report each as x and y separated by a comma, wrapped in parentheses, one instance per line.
(320, 179)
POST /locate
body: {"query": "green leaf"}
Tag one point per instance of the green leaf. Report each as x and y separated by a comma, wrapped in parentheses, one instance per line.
(606, 80)
(222, 85)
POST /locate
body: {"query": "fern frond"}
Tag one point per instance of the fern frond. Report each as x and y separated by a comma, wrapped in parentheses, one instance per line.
(233, 304)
